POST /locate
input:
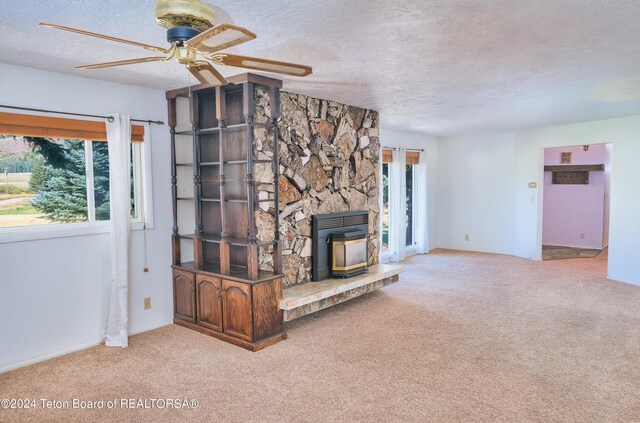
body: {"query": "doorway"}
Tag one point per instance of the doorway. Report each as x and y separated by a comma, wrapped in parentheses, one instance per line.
(577, 181)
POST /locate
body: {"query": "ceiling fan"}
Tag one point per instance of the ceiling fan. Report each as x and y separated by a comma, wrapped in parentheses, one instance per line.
(196, 43)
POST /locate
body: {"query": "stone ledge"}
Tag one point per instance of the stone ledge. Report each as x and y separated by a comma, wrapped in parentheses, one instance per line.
(307, 298)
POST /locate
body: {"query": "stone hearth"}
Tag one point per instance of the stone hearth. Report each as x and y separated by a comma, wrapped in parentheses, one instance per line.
(307, 298)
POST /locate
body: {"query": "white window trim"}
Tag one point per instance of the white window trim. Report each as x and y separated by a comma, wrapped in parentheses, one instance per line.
(410, 250)
(384, 257)
(90, 189)
(92, 227)
(63, 230)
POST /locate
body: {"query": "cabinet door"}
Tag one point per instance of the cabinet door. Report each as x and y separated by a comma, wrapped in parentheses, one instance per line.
(209, 300)
(184, 295)
(238, 319)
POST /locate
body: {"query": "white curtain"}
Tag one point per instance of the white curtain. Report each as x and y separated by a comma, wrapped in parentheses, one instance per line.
(119, 140)
(397, 206)
(422, 216)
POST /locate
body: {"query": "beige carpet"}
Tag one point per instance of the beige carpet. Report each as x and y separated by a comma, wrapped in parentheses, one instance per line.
(462, 338)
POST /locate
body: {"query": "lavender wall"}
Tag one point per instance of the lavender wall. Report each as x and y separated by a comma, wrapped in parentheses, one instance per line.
(574, 215)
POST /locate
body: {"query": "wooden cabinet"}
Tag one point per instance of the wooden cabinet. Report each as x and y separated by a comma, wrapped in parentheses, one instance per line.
(238, 310)
(184, 301)
(242, 312)
(209, 296)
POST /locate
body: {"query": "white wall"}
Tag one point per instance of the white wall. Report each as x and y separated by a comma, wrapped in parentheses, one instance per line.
(624, 228)
(393, 137)
(484, 190)
(476, 193)
(54, 292)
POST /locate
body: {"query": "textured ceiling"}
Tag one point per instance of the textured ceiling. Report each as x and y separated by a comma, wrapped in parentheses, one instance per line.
(444, 67)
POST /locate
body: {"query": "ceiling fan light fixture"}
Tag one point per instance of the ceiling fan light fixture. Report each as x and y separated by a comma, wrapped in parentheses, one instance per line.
(185, 56)
(193, 13)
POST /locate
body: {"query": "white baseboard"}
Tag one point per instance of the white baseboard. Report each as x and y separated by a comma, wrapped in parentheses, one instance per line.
(76, 348)
(49, 356)
(148, 328)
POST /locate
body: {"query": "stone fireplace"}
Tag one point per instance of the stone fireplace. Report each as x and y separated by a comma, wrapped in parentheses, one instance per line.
(329, 164)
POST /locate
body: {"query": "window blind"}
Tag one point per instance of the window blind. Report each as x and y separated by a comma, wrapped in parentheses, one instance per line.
(413, 157)
(387, 155)
(23, 125)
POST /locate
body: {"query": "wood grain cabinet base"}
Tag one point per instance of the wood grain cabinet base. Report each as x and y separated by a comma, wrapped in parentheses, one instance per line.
(244, 313)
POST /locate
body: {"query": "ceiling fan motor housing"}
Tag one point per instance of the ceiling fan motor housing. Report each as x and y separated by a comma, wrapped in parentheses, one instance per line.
(181, 33)
(185, 13)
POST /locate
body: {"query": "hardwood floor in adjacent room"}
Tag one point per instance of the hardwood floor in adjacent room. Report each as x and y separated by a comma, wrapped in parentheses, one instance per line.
(463, 337)
(553, 252)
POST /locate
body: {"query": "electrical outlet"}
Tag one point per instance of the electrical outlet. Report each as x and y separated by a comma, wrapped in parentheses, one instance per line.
(147, 303)
(582, 236)
(466, 237)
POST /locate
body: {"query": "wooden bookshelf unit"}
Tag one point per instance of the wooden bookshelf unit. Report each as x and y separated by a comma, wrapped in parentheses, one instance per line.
(218, 286)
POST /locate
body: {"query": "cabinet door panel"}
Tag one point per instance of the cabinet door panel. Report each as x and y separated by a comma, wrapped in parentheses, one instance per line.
(238, 320)
(184, 296)
(209, 297)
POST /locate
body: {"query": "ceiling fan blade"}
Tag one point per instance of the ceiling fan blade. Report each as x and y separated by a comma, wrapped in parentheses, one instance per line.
(264, 65)
(220, 37)
(124, 62)
(106, 37)
(207, 74)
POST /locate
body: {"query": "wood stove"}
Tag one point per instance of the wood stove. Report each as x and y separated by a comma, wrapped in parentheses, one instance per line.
(349, 253)
(339, 244)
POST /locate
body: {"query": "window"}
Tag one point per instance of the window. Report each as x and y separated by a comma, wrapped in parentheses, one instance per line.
(410, 176)
(387, 158)
(402, 204)
(385, 207)
(412, 160)
(48, 181)
(53, 180)
(100, 153)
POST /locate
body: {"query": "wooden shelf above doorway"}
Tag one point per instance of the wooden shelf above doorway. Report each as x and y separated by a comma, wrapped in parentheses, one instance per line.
(572, 174)
(574, 168)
